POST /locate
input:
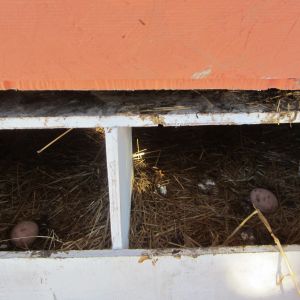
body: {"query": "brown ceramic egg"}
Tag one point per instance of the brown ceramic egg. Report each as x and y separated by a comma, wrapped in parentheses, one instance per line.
(264, 200)
(24, 234)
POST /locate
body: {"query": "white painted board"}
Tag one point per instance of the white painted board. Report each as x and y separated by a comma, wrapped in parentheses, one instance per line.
(228, 274)
(120, 178)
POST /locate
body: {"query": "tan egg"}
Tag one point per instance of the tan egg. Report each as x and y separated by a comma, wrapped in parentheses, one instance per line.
(264, 200)
(24, 234)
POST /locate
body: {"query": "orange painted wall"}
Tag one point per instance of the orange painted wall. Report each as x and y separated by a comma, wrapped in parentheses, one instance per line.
(149, 44)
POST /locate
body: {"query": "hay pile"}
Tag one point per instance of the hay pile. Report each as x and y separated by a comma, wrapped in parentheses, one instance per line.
(192, 185)
(64, 188)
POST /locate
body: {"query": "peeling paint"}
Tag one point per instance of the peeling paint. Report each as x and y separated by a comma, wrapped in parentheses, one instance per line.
(202, 74)
(268, 77)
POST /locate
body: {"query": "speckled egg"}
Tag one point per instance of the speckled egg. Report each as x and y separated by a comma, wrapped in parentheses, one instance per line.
(264, 200)
(24, 234)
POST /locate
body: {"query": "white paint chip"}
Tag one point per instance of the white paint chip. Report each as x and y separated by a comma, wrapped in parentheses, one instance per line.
(202, 74)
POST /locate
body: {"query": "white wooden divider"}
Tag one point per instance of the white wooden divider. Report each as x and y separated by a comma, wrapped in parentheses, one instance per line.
(120, 178)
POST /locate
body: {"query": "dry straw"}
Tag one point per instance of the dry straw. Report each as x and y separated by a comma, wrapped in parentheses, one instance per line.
(192, 185)
(63, 188)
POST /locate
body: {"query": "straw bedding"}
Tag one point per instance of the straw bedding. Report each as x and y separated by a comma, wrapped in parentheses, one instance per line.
(64, 188)
(192, 185)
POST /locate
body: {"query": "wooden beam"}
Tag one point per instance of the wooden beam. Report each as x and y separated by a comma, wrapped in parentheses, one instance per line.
(145, 109)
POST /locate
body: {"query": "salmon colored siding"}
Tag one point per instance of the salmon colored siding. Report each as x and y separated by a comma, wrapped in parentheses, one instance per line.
(149, 44)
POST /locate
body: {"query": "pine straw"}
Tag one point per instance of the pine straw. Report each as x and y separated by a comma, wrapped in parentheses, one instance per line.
(65, 187)
(237, 159)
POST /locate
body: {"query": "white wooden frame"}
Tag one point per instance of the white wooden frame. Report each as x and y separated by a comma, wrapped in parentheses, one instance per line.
(227, 273)
(118, 114)
(212, 274)
(179, 119)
